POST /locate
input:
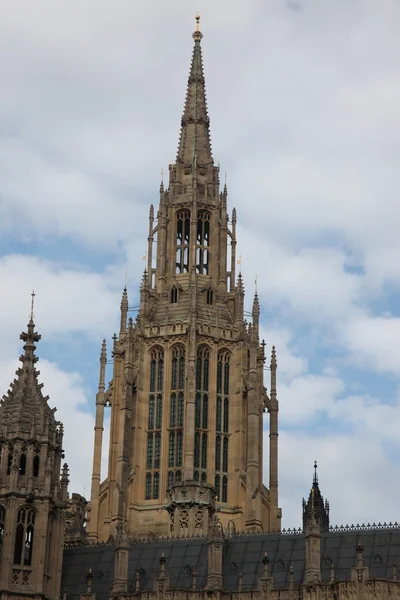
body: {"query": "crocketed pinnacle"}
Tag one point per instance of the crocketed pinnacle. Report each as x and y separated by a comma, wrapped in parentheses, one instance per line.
(273, 364)
(103, 353)
(256, 306)
(239, 284)
(124, 300)
(316, 505)
(194, 142)
(24, 408)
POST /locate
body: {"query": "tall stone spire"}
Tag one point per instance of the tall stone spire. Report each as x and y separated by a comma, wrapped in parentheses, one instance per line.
(30, 483)
(23, 406)
(195, 132)
(184, 370)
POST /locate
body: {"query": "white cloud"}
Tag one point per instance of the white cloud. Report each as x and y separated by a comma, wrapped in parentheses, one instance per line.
(306, 122)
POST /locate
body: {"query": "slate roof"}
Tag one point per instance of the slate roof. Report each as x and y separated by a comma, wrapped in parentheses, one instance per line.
(242, 554)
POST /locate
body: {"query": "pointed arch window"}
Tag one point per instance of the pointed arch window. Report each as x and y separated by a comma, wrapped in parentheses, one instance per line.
(24, 536)
(222, 426)
(201, 413)
(153, 454)
(22, 463)
(36, 464)
(182, 241)
(2, 522)
(209, 296)
(203, 242)
(176, 414)
(10, 457)
(173, 295)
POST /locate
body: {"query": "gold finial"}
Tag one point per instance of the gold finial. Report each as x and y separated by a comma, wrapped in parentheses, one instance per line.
(162, 175)
(197, 35)
(255, 284)
(126, 277)
(32, 303)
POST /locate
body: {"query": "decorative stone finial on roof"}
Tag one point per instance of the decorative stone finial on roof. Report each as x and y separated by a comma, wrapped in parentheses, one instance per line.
(197, 35)
(316, 505)
(273, 364)
(32, 304)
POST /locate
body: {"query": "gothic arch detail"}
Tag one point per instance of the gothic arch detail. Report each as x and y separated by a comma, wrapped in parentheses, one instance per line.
(176, 414)
(182, 241)
(24, 536)
(203, 242)
(222, 431)
(201, 412)
(153, 458)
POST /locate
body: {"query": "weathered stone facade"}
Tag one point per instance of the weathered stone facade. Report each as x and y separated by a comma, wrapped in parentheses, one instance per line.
(33, 493)
(187, 393)
(183, 513)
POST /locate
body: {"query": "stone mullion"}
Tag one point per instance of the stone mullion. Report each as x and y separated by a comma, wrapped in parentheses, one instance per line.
(166, 404)
(212, 409)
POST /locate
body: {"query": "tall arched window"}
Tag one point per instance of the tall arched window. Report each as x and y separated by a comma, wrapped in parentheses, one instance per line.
(2, 521)
(222, 426)
(201, 413)
(173, 295)
(182, 241)
(24, 536)
(9, 458)
(153, 458)
(22, 463)
(36, 464)
(176, 414)
(202, 242)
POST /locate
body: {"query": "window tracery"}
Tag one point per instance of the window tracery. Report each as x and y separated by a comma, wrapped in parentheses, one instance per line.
(182, 241)
(222, 426)
(201, 413)
(176, 415)
(203, 242)
(2, 522)
(153, 455)
(24, 536)
(173, 295)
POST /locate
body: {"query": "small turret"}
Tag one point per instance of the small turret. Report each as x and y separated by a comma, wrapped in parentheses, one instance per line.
(239, 299)
(64, 482)
(256, 317)
(120, 584)
(124, 311)
(312, 573)
(32, 490)
(321, 508)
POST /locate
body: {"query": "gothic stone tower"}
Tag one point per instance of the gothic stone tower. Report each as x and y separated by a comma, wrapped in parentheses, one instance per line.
(33, 497)
(187, 395)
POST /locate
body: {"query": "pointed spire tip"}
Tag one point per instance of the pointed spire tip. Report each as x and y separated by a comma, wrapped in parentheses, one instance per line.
(197, 35)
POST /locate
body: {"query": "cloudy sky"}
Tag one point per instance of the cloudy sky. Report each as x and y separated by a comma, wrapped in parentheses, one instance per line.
(304, 102)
